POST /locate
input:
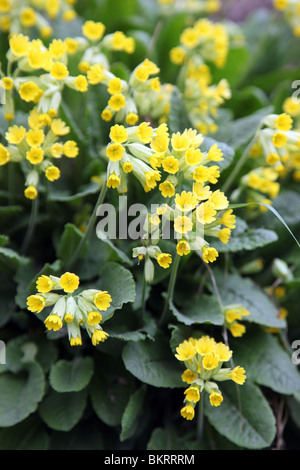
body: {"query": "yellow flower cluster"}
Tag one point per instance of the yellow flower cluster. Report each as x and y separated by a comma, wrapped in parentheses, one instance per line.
(169, 7)
(150, 154)
(233, 313)
(276, 152)
(291, 12)
(204, 39)
(38, 147)
(203, 359)
(203, 43)
(17, 16)
(75, 312)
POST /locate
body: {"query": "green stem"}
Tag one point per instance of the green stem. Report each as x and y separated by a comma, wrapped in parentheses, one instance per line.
(240, 163)
(144, 300)
(200, 420)
(31, 225)
(90, 225)
(170, 289)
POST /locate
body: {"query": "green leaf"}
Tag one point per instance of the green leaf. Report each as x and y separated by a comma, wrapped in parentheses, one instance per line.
(62, 411)
(266, 362)
(245, 238)
(10, 260)
(64, 196)
(69, 242)
(178, 119)
(110, 390)
(20, 394)
(119, 283)
(241, 290)
(30, 434)
(152, 363)
(204, 309)
(239, 132)
(71, 376)
(272, 209)
(252, 428)
(132, 413)
(236, 63)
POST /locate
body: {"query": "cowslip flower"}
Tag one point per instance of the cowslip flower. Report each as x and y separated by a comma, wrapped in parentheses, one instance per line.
(71, 311)
(203, 359)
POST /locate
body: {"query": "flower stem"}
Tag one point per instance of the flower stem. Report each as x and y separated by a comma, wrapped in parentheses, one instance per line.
(170, 289)
(200, 420)
(31, 225)
(90, 225)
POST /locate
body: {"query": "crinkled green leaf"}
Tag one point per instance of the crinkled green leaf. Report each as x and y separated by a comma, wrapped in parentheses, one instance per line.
(71, 376)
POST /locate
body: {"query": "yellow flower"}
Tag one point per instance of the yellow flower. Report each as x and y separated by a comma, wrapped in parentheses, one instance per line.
(188, 376)
(183, 248)
(237, 329)
(183, 224)
(95, 74)
(167, 189)
(209, 254)
(131, 119)
(219, 200)
(228, 219)
(215, 154)
(186, 201)
(99, 336)
(127, 167)
(59, 127)
(177, 55)
(114, 86)
(69, 282)
(59, 71)
(188, 412)
(283, 122)
(192, 394)
(35, 155)
(94, 318)
(224, 235)
(170, 165)
(107, 115)
(206, 212)
(118, 134)
(81, 83)
(15, 135)
(117, 102)
(76, 341)
(31, 192)
(28, 17)
(7, 83)
(30, 91)
(238, 375)
(185, 351)
(113, 181)
(44, 284)
(57, 48)
(193, 156)
(53, 322)
(19, 44)
(205, 345)
(93, 31)
(144, 132)
(215, 398)
(35, 137)
(36, 303)
(115, 152)
(102, 300)
(68, 318)
(210, 361)
(279, 139)
(70, 149)
(180, 142)
(164, 260)
(4, 155)
(52, 173)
